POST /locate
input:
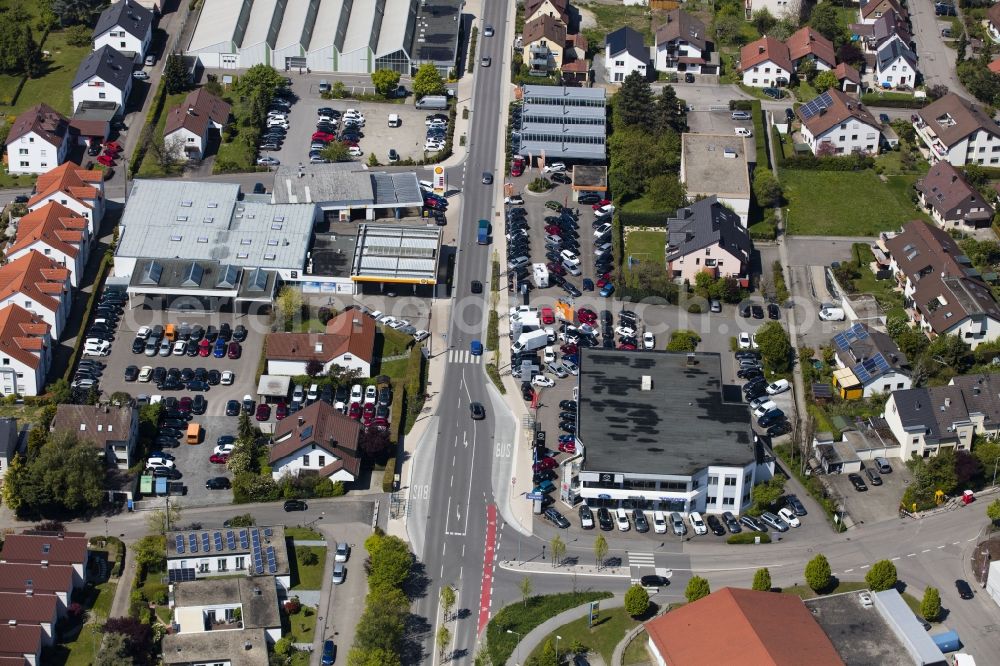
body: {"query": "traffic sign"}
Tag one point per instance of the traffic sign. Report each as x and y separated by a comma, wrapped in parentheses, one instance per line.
(535, 496)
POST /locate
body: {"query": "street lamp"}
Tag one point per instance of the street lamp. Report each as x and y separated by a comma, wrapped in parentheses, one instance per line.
(558, 638)
(517, 648)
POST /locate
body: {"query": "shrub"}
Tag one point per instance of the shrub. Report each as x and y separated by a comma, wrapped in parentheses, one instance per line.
(749, 537)
(293, 606)
(540, 185)
(636, 601)
(156, 593)
(762, 580)
(697, 588)
(818, 573)
(930, 606)
(388, 475)
(881, 576)
(306, 556)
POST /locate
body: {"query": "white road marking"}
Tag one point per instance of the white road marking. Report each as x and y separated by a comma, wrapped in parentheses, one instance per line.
(955, 543)
(972, 539)
(865, 566)
(910, 555)
(894, 559)
(848, 570)
(926, 550)
(941, 546)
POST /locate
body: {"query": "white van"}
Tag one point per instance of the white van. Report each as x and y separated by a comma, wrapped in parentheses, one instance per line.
(394, 120)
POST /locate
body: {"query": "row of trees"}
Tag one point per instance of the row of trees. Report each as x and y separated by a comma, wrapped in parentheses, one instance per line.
(379, 635)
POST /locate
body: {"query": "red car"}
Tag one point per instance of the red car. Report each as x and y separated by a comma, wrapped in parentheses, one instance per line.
(567, 447)
(323, 136)
(218, 458)
(603, 281)
(627, 347)
(184, 405)
(558, 269)
(544, 464)
(586, 316)
(234, 350)
(354, 411)
(113, 146)
(516, 168)
(602, 203)
(381, 424)
(553, 229)
(204, 348)
(434, 203)
(263, 412)
(369, 412)
(568, 349)
(280, 411)
(106, 160)
(548, 317)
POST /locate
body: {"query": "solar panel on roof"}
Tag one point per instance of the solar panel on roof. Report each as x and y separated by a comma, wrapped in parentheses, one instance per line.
(206, 543)
(218, 540)
(268, 531)
(231, 540)
(244, 541)
(306, 433)
(193, 543)
(814, 107)
(179, 543)
(180, 575)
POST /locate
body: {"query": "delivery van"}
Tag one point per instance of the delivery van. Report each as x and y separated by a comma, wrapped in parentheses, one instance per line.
(193, 433)
(170, 332)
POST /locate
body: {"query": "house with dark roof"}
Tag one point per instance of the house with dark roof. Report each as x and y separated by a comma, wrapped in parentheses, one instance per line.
(40, 285)
(707, 237)
(80, 190)
(765, 62)
(557, 9)
(895, 65)
(349, 343)
(10, 444)
(25, 351)
(868, 362)
(543, 42)
(113, 431)
(927, 420)
(69, 549)
(56, 232)
(834, 123)
(951, 201)
(127, 27)
(105, 75)
(760, 628)
(681, 44)
(20, 610)
(186, 132)
(958, 131)
(624, 53)
(807, 44)
(317, 440)
(872, 10)
(887, 27)
(38, 140)
(942, 292)
(21, 645)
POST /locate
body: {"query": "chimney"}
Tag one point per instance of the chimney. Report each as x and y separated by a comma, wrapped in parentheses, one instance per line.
(691, 360)
(61, 536)
(45, 564)
(954, 178)
(256, 591)
(760, 49)
(190, 111)
(947, 402)
(301, 421)
(29, 592)
(12, 622)
(246, 646)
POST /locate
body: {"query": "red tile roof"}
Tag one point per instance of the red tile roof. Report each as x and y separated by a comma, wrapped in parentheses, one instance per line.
(21, 335)
(532, 6)
(837, 107)
(873, 7)
(71, 179)
(324, 426)
(762, 50)
(994, 65)
(545, 27)
(54, 225)
(20, 639)
(30, 610)
(348, 333)
(36, 276)
(43, 580)
(44, 121)
(761, 628)
(196, 112)
(845, 71)
(807, 41)
(27, 548)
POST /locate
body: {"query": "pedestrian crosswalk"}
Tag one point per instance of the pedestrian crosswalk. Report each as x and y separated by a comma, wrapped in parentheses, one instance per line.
(463, 356)
(639, 561)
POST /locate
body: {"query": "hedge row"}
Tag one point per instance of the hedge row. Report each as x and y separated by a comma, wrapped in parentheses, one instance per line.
(146, 137)
(759, 131)
(632, 219)
(102, 274)
(893, 101)
(749, 537)
(388, 476)
(855, 162)
(472, 49)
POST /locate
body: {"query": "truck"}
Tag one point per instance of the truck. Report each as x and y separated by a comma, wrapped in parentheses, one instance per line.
(530, 341)
(438, 102)
(540, 275)
(483, 233)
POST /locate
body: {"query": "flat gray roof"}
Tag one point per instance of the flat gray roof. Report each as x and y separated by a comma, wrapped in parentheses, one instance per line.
(435, 38)
(241, 647)
(568, 94)
(707, 170)
(346, 185)
(175, 219)
(333, 252)
(678, 427)
(258, 595)
(396, 254)
(563, 122)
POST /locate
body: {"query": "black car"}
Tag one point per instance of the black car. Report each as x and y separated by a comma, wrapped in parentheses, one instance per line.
(793, 503)
(731, 522)
(326, 394)
(240, 333)
(169, 384)
(604, 519)
(198, 385)
(752, 524)
(747, 354)
(568, 405)
(757, 311)
(556, 518)
(225, 331)
(586, 516)
(859, 483)
(164, 442)
(211, 333)
(220, 483)
(567, 426)
(477, 287)
(526, 391)
(653, 580)
(561, 178)
(963, 588)
(478, 411)
(169, 473)
(197, 332)
(745, 311)
(779, 429)
(233, 408)
(715, 525)
(191, 350)
(589, 198)
(131, 373)
(159, 374)
(175, 415)
(773, 311)
(295, 505)
(750, 373)
(138, 346)
(199, 404)
(187, 374)
(639, 518)
(214, 377)
(770, 418)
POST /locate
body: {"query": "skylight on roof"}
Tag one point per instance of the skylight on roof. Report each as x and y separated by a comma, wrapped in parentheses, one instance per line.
(187, 204)
(276, 226)
(176, 239)
(270, 256)
(246, 241)
(243, 255)
(273, 242)
(182, 218)
(202, 239)
(212, 204)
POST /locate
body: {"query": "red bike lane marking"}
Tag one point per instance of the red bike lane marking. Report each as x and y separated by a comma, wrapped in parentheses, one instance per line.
(488, 560)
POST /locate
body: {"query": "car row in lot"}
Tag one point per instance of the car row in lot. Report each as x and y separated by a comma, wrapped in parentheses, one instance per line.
(436, 132)
(757, 391)
(179, 379)
(98, 338)
(275, 126)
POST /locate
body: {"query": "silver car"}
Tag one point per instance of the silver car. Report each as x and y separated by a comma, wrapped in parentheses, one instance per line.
(339, 573)
(677, 523)
(774, 521)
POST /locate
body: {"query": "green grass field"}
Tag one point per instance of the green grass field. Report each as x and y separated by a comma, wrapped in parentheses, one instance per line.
(311, 577)
(149, 167)
(54, 86)
(609, 629)
(646, 246)
(846, 203)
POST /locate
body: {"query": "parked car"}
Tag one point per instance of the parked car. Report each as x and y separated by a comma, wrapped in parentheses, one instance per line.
(858, 482)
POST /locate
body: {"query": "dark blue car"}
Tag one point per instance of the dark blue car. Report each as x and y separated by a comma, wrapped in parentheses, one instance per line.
(329, 653)
(220, 348)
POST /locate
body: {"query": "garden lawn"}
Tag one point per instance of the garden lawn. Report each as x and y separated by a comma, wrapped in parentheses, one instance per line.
(636, 652)
(303, 534)
(149, 167)
(806, 592)
(54, 86)
(80, 652)
(609, 629)
(302, 625)
(646, 246)
(611, 17)
(845, 203)
(310, 577)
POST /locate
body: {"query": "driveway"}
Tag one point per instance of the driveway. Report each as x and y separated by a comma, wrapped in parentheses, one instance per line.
(937, 60)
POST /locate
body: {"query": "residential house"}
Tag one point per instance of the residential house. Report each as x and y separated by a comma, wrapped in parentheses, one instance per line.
(556, 9)
(80, 190)
(575, 66)
(761, 628)
(114, 431)
(188, 126)
(127, 27)
(779, 9)
(21, 645)
(888, 27)
(194, 555)
(872, 10)
(868, 362)
(543, 43)
(624, 53)
(39, 285)
(25, 351)
(951, 201)
(848, 78)
(38, 140)
(10, 444)
(927, 420)
(216, 647)
(56, 232)
(20, 610)
(37, 579)
(942, 292)
(227, 605)
(895, 65)
(765, 63)
(681, 44)
(105, 75)
(317, 440)
(958, 131)
(837, 124)
(806, 44)
(349, 343)
(45, 548)
(707, 237)
(873, 439)
(993, 22)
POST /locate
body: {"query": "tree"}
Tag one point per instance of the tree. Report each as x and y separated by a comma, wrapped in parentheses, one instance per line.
(65, 475)
(289, 304)
(826, 22)
(633, 104)
(79, 35)
(524, 587)
(683, 340)
(600, 549)
(161, 521)
(245, 429)
(766, 188)
(307, 556)
(762, 580)
(314, 368)
(336, 151)
(950, 352)
(18, 50)
(806, 70)
(818, 573)
(775, 347)
(697, 588)
(375, 445)
(992, 510)
(727, 28)
(766, 494)
(881, 576)
(76, 11)
(385, 81)
(114, 651)
(763, 21)
(850, 54)
(261, 79)
(14, 481)
(968, 469)
(825, 81)
(636, 601)
(930, 605)
(428, 81)
(548, 656)
(670, 113)
(558, 550)
(390, 559)
(443, 638)
(447, 600)
(138, 637)
(175, 74)
(667, 192)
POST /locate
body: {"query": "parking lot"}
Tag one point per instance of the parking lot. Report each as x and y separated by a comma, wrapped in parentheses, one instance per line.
(876, 504)
(377, 136)
(721, 122)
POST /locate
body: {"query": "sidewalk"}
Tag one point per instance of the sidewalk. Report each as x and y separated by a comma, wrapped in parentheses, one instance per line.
(535, 637)
(119, 607)
(530, 567)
